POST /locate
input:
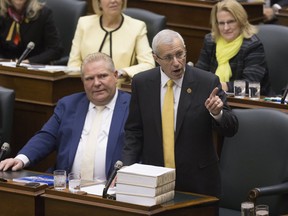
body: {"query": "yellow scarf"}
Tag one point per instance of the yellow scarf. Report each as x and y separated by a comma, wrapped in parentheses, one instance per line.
(224, 52)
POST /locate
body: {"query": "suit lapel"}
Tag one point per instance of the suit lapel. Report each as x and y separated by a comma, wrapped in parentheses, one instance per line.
(186, 97)
(78, 125)
(154, 87)
(117, 124)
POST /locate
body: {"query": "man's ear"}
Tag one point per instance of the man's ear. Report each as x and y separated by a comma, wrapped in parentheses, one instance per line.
(155, 58)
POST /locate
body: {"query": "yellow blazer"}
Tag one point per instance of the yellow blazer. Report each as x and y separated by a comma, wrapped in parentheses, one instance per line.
(130, 47)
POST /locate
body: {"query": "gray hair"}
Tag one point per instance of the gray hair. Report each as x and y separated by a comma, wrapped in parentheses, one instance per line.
(165, 36)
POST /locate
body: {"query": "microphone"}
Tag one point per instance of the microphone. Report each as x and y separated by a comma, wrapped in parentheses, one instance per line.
(117, 166)
(28, 49)
(5, 150)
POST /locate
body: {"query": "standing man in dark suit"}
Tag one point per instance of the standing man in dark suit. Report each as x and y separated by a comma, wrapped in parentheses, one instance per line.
(69, 128)
(199, 107)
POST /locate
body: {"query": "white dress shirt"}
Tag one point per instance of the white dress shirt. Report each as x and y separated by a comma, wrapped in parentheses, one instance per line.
(102, 140)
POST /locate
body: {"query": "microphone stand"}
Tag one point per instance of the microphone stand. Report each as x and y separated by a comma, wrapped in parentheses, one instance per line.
(283, 99)
(105, 195)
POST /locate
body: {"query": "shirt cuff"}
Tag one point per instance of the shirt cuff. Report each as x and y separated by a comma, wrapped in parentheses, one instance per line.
(120, 73)
(24, 159)
(217, 117)
(276, 8)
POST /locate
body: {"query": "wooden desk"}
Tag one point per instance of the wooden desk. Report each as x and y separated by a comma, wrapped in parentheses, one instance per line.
(282, 17)
(246, 103)
(17, 199)
(64, 203)
(191, 18)
(37, 93)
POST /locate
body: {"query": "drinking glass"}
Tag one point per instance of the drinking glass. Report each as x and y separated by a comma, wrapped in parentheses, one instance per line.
(262, 210)
(59, 179)
(247, 209)
(239, 88)
(254, 90)
(74, 182)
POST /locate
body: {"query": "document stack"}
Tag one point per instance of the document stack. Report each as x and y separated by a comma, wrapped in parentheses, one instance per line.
(145, 184)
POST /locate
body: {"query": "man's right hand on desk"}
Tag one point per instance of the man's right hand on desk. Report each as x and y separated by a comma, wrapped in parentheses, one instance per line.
(13, 163)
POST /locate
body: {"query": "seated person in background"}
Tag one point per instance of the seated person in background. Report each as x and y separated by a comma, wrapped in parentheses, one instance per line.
(68, 131)
(25, 21)
(233, 51)
(110, 31)
(272, 7)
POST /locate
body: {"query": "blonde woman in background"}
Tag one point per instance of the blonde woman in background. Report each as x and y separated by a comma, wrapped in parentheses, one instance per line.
(110, 31)
(22, 21)
(232, 50)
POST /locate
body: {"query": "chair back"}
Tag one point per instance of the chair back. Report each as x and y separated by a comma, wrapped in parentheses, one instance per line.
(7, 97)
(275, 42)
(66, 14)
(256, 156)
(154, 22)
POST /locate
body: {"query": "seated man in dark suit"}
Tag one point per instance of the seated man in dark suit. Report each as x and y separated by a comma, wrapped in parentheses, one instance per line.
(68, 131)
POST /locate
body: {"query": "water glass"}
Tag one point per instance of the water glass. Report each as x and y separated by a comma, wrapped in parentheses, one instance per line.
(74, 181)
(254, 90)
(239, 88)
(247, 209)
(59, 179)
(262, 210)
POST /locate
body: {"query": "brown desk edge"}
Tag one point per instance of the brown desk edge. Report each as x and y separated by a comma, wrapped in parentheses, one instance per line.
(181, 200)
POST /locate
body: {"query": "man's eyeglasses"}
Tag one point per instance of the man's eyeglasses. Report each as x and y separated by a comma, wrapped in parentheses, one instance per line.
(169, 58)
(229, 23)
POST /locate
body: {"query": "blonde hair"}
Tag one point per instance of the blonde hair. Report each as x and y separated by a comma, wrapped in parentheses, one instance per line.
(98, 56)
(239, 14)
(32, 8)
(98, 10)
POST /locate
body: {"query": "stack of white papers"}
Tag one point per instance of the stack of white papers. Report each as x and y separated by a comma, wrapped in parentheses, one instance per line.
(97, 189)
(50, 68)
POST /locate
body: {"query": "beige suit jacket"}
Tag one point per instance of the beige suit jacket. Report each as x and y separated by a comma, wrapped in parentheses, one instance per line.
(130, 47)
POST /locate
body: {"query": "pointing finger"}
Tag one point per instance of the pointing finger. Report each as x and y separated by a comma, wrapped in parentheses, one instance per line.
(214, 92)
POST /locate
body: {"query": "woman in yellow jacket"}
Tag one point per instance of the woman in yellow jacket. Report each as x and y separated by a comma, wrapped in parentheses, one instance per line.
(112, 32)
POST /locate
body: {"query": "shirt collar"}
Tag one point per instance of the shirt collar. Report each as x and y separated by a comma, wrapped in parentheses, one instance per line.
(165, 78)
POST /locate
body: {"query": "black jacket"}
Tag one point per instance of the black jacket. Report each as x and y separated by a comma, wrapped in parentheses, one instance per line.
(42, 31)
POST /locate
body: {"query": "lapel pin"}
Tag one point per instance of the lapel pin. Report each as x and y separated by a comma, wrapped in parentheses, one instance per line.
(189, 90)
